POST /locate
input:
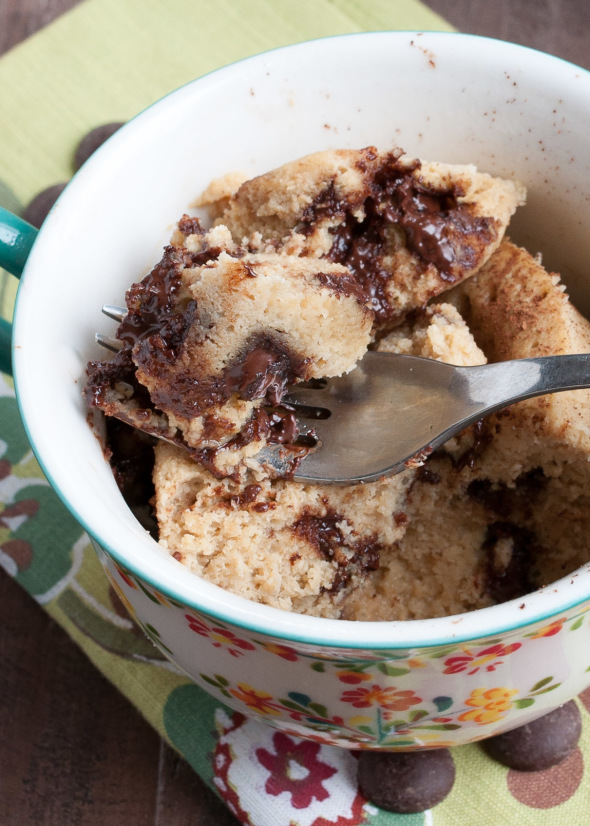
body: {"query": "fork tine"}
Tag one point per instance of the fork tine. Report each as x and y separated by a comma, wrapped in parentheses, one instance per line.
(113, 311)
(109, 342)
(307, 396)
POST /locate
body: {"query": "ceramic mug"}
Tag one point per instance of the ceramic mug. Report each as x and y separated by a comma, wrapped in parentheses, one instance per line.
(448, 97)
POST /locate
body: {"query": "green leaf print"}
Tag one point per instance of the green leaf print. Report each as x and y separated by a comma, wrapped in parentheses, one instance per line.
(392, 671)
(545, 681)
(524, 703)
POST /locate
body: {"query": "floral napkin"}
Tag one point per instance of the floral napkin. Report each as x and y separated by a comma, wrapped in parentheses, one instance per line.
(56, 87)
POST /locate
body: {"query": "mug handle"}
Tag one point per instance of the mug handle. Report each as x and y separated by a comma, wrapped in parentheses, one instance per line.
(16, 239)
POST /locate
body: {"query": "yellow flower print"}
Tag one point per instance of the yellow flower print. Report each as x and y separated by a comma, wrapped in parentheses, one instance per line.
(488, 705)
(360, 720)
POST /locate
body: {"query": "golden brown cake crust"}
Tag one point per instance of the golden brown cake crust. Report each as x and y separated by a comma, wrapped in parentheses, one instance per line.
(407, 229)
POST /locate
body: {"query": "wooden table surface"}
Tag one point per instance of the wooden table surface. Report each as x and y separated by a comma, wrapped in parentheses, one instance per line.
(72, 749)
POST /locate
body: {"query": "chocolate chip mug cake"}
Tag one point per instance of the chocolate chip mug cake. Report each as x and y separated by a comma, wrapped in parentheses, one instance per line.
(299, 272)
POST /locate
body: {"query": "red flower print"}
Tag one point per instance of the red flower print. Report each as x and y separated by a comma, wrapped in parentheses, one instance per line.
(472, 661)
(295, 769)
(282, 651)
(126, 579)
(390, 698)
(220, 637)
(549, 630)
(198, 625)
(353, 677)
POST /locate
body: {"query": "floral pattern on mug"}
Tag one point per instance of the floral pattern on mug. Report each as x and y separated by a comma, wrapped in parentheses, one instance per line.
(394, 698)
(390, 698)
(472, 660)
(256, 700)
(488, 705)
(548, 630)
(220, 636)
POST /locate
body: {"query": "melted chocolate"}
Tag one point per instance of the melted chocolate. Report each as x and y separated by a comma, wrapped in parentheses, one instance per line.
(512, 503)
(264, 372)
(277, 425)
(190, 226)
(428, 476)
(327, 205)
(153, 333)
(515, 579)
(438, 229)
(151, 317)
(104, 375)
(481, 439)
(246, 496)
(344, 284)
(324, 535)
(151, 303)
(131, 456)
(360, 247)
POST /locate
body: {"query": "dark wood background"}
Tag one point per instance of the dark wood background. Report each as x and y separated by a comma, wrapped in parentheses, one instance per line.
(72, 749)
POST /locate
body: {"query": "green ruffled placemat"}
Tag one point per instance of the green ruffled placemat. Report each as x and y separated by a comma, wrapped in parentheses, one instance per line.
(105, 61)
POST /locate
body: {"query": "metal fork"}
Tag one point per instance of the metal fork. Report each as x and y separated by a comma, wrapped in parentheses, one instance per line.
(392, 411)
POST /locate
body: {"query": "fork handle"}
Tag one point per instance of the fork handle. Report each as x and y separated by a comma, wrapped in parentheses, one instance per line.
(492, 386)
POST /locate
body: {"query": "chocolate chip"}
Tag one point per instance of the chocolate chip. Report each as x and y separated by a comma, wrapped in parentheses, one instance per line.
(90, 143)
(406, 782)
(36, 212)
(540, 744)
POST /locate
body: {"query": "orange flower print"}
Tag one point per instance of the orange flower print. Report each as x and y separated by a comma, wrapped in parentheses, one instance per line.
(353, 677)
(488, 705)
(390, 698)
(549, 630)
(220, 636)
(283, 651)
(256, 700)
(486, 658)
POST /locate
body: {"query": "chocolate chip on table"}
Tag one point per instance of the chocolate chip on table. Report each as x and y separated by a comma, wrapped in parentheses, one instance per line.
(406, 782)
(90, 142)
(540, 744)
(38, 209)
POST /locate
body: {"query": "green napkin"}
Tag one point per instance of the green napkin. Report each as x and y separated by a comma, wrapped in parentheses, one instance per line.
(105, 61)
